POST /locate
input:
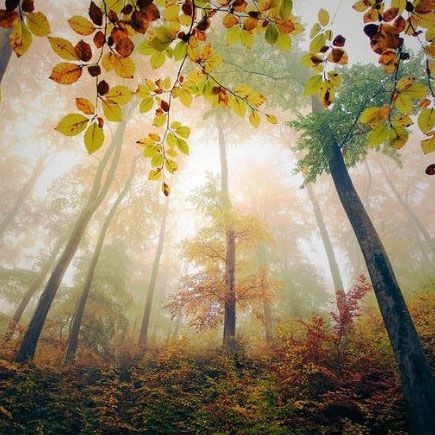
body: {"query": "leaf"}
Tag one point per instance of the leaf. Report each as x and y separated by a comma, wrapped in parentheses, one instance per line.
(119, 94)
(317, 43)
(83, 51)
(85, 106)
(323, 17)
(171, 165)
(157, 59)
(286, 8)
(166, 189)
(38, 23)
(180, 50)
(63, 48)
(95, 14)
(428, 145)
(284, 42)
(272, 119)
(380, 134)
(81, 25)
(66, 73)
(271, 34)
(361, 6)
(146, 104)
(72, 124)
(8, 18)
(20, 38)
(426, 120)
(254, 119)
(155, 174)
(183, 146)
(94, 137)
(124, 67)
(183, 131)
(313, 84)
(159, 120)
(112, 111)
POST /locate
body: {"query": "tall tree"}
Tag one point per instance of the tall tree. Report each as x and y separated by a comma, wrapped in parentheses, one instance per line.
(143, 335)
(98, 192)
(73, 336)
(333, 133)
(229, 333)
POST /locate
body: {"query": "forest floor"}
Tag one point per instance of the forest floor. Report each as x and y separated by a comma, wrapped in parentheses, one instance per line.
(311, 379)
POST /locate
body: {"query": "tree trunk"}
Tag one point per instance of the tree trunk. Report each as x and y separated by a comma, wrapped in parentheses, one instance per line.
(417, 380)
(73, 336)
(327, 244)
(28, 346)
(412, 215)
(143, 335)
(5, 50)
(229, 332)
(24, 193)
(36, 285)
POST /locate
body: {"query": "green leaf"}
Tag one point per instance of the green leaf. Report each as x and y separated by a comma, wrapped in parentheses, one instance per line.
(284, 42)
(271, 34)
(285, 10)
(313, 84)
(183, 146)
(380, 134)
(183, 131)
(146, 104)
(112, 111)
(317, 43)
(94, 137)
(180, 50)
(157, 59)
(323, 17)
(428, 145)
(426, 120)
(72, 124)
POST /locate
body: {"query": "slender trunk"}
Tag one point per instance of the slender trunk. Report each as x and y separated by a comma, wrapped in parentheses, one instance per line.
(411, 214)
(143, 335)
(417, 380)
(327, 244)
(5, 50)
(28, 346)
(73, 336)
(24, 193)
(36, 285)
(229, 332)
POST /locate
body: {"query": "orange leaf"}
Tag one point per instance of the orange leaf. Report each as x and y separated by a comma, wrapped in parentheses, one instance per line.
(83, 51)
(66, 73)
(8, 18)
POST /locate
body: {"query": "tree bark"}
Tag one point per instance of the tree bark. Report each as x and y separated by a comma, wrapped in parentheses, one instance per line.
(229, 332)
(327, 244)
(36, 285)
(73, 336)
(24, 193)
(417, 380)
(28, 346)
(143, 335)
(5, 51)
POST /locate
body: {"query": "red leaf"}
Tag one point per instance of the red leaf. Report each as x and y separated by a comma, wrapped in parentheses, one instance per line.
(430, 170)
(83, 51)
(139, 21)
(339, 41)
(124, 47)
(103, 87)
(99, 39)
(94, 70)
(10, 5)
(95, 14)
(8, 18)
(390, 14)
(27, 6)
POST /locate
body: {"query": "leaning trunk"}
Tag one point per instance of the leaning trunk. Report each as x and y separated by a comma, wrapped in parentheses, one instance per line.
(98, 192)
(417, 380)
(5, 50)
(24, 193)
(327, 244)
(36, 285)
(143, 336)
(229, 333)
(73, 336)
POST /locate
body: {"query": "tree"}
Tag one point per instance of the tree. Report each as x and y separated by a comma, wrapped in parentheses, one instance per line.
(143, 335)
(330, 132)
(98, 192)
(73, 336)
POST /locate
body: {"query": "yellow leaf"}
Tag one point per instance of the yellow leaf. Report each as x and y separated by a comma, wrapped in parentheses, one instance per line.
(112, 111)
(171, 12)
(123, 66)
(85, 106)
(323, 17)
(146, 104)
(313, 84)
(94, 137)
(66, 73)
(284, 42)
(428, 145)
(254, 119)
(361, 6)
(317, 43)
(63, 48)
(159, 120)
(426, 120)
(272, 119)
(380, 134)
(81, 25)
(405, 83)
(20, 38)
(157, 59)
(155, 174)
(119, 94)
(72, 124)
(38, 23)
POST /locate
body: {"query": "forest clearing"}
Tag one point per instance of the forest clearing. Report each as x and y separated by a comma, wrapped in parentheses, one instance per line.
(217, 217)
